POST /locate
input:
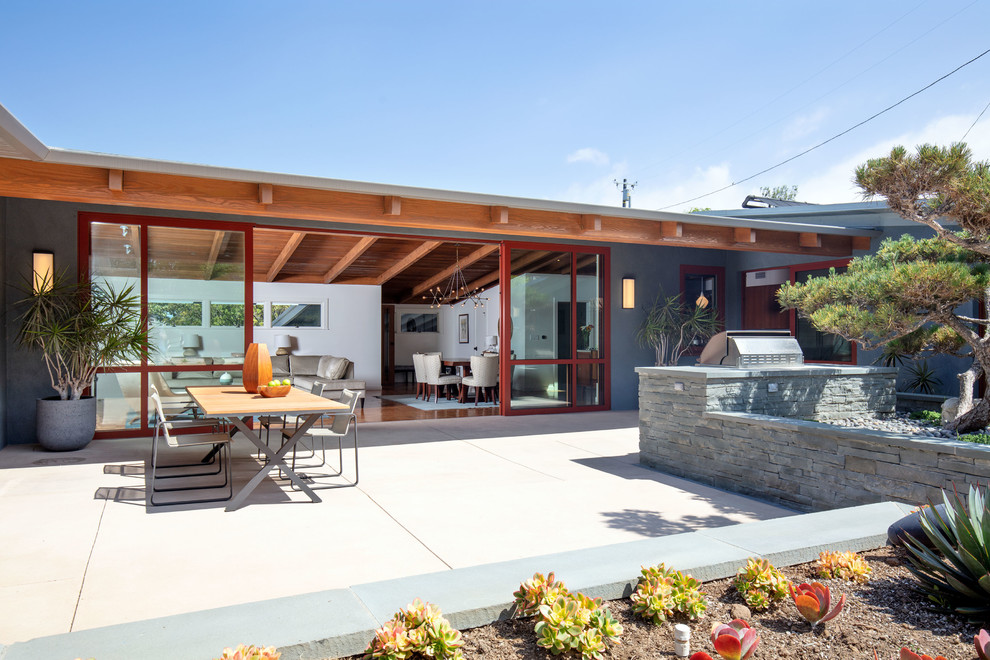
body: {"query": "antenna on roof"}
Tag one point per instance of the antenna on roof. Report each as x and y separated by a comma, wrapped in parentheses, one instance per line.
(626, 191)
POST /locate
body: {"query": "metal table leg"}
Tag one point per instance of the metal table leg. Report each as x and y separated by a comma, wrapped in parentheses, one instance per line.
(276, 459)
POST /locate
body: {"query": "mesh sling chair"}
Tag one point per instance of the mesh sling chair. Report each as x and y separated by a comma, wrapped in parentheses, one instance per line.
(220, 457)
(266, 421)
(342, 424)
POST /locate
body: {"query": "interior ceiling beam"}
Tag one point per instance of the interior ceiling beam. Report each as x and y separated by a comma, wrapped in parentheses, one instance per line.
(352, 255)
(283, 257)
(446, 273)
(211, 259)
(89, 185)
(522, 262)
(407, 261)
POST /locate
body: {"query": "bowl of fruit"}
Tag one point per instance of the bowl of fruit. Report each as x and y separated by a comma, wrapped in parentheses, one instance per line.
(275, 388)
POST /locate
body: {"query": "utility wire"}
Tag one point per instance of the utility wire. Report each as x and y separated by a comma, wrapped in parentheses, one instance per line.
(974, 122)
(834, 137)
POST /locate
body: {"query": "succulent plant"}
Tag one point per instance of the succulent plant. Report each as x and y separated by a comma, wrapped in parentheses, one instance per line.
(760, 584)
(536, 591)
(420, 629)
(662, 591)
(958, 575)
(908, 654)
(243, 652)
(700, 655)
(844, 566)
(734, 640)
(575, 622)
(982, 641)
(813, 602)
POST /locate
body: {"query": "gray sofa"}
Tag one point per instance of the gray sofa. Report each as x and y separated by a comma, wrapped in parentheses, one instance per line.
(306, 370)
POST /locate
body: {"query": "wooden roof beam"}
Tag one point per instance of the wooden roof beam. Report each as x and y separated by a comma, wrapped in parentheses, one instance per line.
(352, 255)
(407, 261)
(115, 180)
(591, 223)
(809, 240)
(265, 195)
(445, 274)
(499, 215)
(211, 259)
(861, 242)
(671, 229)
(392, 205)
(283, 257)
(744, 235)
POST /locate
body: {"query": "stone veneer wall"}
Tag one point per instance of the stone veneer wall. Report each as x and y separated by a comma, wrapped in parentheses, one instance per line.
(724, 428)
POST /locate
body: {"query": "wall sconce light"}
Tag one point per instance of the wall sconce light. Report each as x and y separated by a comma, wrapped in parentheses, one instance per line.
(44, 271)
(191, 344)
(628, 293)
(283, 344)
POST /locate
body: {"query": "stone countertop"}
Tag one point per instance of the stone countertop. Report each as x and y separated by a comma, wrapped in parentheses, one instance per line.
(714, 371)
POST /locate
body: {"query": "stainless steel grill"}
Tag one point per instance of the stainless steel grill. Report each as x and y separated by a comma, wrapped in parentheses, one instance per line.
(752, 349)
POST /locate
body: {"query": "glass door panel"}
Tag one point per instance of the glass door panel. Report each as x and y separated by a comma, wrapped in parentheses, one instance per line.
(196, 298)
(556, 315)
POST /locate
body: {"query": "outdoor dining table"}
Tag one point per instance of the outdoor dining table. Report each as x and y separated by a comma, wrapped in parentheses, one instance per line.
(240, 407)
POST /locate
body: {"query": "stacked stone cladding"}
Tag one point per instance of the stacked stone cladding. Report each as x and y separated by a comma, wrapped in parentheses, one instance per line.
(728, 430)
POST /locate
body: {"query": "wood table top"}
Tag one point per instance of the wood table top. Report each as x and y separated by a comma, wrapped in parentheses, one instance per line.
(233, 400)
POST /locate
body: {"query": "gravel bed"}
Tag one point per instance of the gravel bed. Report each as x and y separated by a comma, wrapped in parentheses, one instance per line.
(897, 423)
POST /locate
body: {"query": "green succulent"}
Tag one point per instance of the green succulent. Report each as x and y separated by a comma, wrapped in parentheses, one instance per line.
(958, 576)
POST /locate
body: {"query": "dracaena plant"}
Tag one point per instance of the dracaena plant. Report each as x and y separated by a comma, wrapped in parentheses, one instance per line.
(958, 575)
(814, 602)
(80, 327)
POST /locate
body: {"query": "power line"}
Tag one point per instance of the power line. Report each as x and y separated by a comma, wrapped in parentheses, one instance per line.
(974, 122)
(834, 137)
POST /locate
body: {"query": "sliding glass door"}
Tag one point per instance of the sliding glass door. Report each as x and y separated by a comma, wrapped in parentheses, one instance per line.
(192, 281)
(556, 329)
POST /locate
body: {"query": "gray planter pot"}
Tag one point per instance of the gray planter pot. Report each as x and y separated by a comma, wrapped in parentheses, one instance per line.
(65, 425)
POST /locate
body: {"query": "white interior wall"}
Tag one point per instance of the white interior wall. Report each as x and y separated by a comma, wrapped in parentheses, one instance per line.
(352, 324)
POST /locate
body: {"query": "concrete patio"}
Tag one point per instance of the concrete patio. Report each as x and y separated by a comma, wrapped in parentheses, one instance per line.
(83, 550)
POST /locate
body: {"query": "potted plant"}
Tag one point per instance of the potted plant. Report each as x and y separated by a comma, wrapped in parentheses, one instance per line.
(78, 328)
(672, 327)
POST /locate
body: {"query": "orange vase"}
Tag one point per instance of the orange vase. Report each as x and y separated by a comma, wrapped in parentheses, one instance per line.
(257, 367)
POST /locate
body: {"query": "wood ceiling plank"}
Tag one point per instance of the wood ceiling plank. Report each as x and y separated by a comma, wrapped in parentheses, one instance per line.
(211, 258)
(446, 273)
(284, 255)
(407, 261)
(352, 255)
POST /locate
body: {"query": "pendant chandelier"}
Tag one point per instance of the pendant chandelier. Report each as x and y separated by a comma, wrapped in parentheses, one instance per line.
(456, 290)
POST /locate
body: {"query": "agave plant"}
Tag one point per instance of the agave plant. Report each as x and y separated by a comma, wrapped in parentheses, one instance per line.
(959, 579)
(734, 640)
(814, 601)
(982, 642)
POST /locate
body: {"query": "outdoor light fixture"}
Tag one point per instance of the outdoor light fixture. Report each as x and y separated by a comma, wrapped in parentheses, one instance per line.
(283, 344)
(44, 267)
(191, 344)
(628, 293)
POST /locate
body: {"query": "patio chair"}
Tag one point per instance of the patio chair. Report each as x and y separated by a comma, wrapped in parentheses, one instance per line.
(219, 457)
(342, 424)
(436, 380)
(484, 377)
(266, 421)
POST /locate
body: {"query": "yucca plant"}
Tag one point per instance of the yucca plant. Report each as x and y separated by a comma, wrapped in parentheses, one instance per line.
(959, 577)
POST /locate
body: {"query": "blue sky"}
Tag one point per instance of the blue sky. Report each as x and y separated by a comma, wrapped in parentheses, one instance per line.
(548, 99)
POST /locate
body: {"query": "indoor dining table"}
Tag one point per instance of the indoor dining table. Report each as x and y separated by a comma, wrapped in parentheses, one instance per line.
(240, 407)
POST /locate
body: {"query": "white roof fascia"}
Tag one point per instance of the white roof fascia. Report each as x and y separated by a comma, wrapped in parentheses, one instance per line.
(109, 161)
(19, 139)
